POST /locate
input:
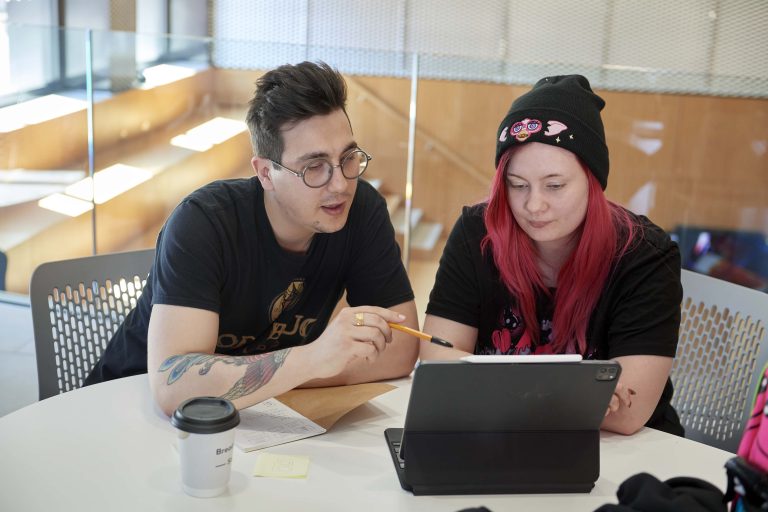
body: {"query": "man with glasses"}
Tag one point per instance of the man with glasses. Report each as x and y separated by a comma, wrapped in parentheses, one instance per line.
(248, 272)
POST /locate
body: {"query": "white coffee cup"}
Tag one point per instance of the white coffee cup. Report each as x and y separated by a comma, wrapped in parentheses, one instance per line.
(206, 428)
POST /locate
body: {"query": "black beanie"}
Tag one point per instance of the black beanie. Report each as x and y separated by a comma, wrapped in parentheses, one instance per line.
(561, 111)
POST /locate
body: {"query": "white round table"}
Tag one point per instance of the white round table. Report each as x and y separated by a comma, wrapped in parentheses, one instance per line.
(108, 447)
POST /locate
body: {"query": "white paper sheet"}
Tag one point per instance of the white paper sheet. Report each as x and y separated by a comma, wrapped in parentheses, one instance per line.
(270, 423)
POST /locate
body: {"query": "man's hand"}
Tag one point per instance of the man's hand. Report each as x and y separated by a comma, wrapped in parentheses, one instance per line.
(182, 362)
(355, 333)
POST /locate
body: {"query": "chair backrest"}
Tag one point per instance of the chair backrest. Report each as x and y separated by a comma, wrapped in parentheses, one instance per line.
(77, 305)
(721, 351)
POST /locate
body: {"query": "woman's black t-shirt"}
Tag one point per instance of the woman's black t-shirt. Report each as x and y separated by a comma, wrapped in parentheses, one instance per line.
(638, 312)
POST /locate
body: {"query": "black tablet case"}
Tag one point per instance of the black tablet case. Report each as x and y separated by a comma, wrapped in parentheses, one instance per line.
(489, 428)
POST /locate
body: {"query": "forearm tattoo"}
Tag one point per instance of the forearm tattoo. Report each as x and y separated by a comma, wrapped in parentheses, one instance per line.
(259, 369)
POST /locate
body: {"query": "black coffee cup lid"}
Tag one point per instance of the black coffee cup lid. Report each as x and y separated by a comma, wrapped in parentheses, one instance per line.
(205, 415)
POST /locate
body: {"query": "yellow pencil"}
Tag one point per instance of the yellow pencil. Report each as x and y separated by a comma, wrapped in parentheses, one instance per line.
(422, 335)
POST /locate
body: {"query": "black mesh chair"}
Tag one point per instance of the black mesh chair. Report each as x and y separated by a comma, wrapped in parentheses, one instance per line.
(77, 305)
(722, 349)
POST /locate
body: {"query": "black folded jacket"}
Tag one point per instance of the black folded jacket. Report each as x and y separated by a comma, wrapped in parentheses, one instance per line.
(646, 493)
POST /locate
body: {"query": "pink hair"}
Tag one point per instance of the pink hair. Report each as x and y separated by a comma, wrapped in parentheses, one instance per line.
(582, 277)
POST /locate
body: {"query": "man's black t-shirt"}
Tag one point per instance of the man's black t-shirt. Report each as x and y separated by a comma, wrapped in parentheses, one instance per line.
(638, 312)
(217, 251)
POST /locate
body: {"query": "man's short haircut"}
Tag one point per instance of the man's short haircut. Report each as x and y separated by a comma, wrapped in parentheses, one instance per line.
(290, 94)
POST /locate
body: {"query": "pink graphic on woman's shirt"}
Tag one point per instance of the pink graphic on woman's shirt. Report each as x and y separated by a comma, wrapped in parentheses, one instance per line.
(524, 344)
(512, 336)
(502, 340)
(544, 349)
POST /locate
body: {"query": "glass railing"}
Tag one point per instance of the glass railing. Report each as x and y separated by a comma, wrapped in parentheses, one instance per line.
(160, 132)
(167, 116)
(43, 149)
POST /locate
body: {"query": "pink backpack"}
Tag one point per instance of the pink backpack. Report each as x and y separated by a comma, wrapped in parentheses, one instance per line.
(748, 473)
(754, 443)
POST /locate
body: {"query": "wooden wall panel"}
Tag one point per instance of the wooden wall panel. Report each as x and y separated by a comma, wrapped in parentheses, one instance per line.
(706, 158)
(381, 127)
(710, 167)
(127, 216)
(235, 86)
(45, 145)
(448, 171)
(62, 142)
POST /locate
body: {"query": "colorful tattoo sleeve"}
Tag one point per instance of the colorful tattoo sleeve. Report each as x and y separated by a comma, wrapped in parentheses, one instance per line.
(259, 369)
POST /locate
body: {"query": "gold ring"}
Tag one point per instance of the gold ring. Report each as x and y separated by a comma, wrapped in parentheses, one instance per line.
(359, 319)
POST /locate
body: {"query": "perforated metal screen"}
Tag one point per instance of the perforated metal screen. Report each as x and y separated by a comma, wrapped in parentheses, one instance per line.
(696, 46)
(83, 319)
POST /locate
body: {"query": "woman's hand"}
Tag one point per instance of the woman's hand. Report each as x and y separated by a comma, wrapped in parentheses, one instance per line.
(622, 397)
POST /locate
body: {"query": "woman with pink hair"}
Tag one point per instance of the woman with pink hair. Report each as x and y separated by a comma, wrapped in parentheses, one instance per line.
(549, 266)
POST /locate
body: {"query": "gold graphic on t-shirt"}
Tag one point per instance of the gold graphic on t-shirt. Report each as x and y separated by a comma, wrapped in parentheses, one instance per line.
(286, 300)
(232, 343)
(300, 325)
(250, 345)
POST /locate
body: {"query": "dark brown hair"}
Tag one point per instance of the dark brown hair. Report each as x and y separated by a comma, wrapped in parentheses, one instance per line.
(290, 94)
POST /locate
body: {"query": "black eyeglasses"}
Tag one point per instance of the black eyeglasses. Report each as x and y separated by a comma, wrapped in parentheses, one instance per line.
(318, 172)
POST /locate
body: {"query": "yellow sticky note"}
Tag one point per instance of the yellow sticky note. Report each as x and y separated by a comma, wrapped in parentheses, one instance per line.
(281, 466)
